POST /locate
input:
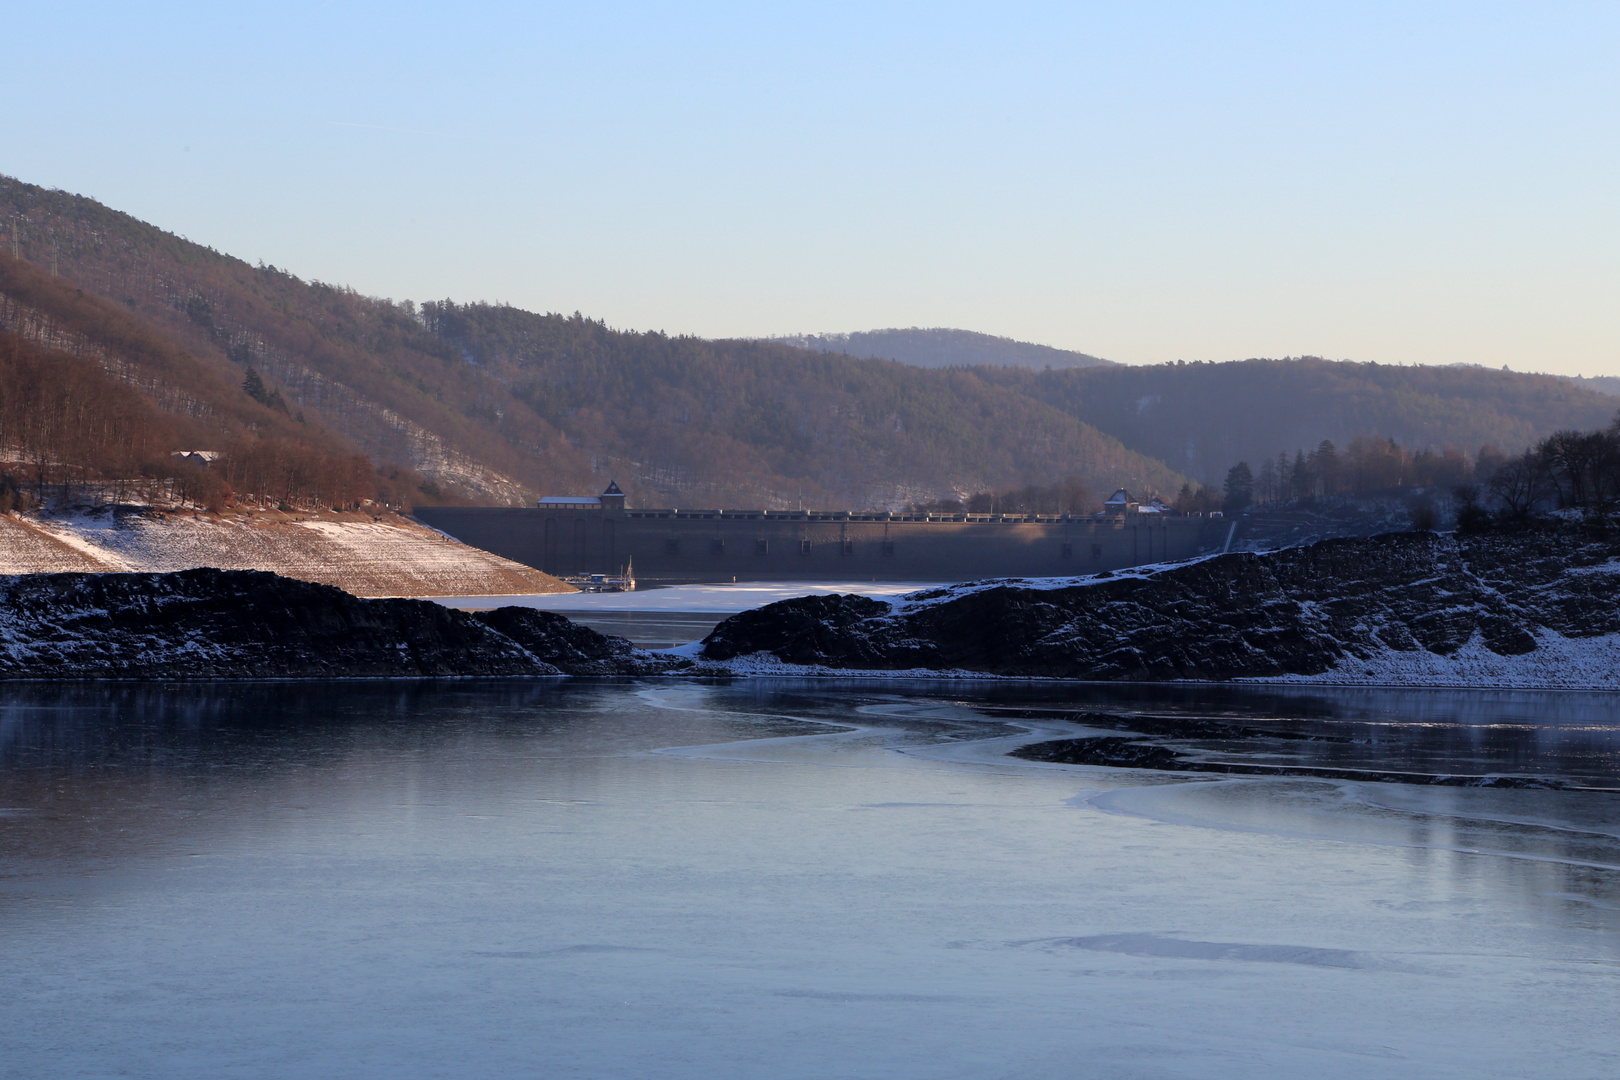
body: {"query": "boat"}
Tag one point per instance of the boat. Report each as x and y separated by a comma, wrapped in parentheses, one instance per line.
(623, 581)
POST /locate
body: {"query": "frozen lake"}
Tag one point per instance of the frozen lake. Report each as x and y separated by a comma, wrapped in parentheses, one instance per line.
(660, 618)
(779, 880)
(719, 599)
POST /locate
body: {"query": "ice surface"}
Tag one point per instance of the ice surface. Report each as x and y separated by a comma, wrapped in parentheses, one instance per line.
(767, 880)
(720, 599)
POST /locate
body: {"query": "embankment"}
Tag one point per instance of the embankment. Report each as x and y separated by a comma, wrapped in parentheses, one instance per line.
(356, 552)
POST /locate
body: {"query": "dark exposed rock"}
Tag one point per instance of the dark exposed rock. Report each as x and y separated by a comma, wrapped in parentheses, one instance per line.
(569, 647)
(1138, 754)
(803, 630)
(1304, 611)
(232, 624)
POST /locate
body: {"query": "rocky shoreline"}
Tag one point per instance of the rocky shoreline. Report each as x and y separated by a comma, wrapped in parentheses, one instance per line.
(1536, 608)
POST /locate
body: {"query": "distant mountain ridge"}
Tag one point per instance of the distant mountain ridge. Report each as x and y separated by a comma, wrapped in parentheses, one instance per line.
(939, 347)
(1201, 418)
(1603, 384)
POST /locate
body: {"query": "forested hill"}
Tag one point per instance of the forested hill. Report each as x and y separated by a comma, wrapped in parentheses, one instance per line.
(499, 404)
(1201, 418)
(937, 348)
(742, 420)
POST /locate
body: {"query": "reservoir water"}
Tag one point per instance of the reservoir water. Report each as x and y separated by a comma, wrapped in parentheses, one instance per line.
(782, 880)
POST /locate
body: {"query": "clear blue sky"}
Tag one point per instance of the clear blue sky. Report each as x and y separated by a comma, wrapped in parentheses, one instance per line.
(1402, 183)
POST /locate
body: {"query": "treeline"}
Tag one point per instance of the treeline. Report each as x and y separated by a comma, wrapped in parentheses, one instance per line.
(1070, 495)
(1566, 470)
(1366, 466)
(281, 473)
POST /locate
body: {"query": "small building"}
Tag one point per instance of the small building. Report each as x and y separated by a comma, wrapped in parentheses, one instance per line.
(611, 499)
(1119, 502)
(197, 457)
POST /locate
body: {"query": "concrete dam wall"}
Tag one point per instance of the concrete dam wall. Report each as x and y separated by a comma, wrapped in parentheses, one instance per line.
(692, 546)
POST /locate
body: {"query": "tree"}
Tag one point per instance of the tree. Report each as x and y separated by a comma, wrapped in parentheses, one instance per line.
(1324, 464)
(1518, 486)
(1425, 517)
(1239, 487)
(1266, 484)
(253, 386)
(1471, 516)
(1195, 499)
(1300, 480)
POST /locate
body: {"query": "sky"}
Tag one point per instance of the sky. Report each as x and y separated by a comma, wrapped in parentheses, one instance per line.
(1404, 183)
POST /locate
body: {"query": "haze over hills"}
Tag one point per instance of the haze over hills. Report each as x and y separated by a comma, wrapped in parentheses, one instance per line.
(1200, 418)
(1603, 384)
(938, 348)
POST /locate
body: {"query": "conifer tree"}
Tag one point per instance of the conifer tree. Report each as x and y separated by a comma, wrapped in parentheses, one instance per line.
(253, 386)
(1239, 487)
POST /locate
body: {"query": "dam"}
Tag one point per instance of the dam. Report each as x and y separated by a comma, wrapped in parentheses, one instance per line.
(600, 534)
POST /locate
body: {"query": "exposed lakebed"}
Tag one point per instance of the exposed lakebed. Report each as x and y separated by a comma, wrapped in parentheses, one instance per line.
(798, 880)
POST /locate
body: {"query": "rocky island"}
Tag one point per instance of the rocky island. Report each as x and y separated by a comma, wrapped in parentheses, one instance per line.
(249, 624)
(1535, 606)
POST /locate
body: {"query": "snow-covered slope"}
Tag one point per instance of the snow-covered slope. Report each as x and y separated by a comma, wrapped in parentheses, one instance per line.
(363, 556)
(1534, 608)
(26, 547)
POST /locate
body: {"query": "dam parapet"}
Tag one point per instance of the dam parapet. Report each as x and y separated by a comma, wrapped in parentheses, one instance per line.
(599, 534)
